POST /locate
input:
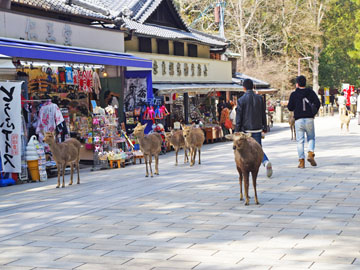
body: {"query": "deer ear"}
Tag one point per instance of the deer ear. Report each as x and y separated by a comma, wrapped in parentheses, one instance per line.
(248, 135)
(229, 137)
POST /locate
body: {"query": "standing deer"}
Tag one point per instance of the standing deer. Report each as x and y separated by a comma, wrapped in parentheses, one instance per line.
(292, 125)
(194, 139)
(150, 145)
(248, 157)
(65, 153)
(176, 140)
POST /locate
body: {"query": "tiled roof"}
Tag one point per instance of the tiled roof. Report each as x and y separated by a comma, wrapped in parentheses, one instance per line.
(172, 33)
(61, 7)
(108, 10)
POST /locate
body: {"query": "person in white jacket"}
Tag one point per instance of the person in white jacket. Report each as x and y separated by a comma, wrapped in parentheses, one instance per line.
(233, 115)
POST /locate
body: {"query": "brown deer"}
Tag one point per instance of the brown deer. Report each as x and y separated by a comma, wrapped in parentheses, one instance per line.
(345, 119)
(150, 145)
(292, 125)
(177, 141)
(248, 157)
(65, 153)
(194, 139)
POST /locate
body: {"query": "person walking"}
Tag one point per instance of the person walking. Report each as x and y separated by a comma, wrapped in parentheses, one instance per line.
(251, 118)
(233, 115)
(224, 117)
(358, 108)
(305, 104)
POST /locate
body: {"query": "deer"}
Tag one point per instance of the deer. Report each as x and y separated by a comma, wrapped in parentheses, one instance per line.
(194, 139)
(177, 141)
(248, 157)
(65, 153)
(150, 145)
(345, 119)
(292, 125)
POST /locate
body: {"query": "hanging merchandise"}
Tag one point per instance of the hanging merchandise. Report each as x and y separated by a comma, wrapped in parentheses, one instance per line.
(158, 114)
(69, 75)
(62, 76)
(135, 93)
(87, 78)
(96, 83)
(49, 117)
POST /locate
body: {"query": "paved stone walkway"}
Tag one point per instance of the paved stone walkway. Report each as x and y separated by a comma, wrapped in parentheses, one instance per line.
(191, 218)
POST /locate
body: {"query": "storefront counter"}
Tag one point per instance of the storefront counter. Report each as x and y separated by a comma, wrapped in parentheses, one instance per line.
(212, 133)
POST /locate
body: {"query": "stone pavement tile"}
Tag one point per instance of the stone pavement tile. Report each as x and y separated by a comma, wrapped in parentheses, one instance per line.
(240, 266)
(74, 258)
(232, 258)
(156, 263)
(185, 251)
(39, 238)
(9, 267)
(141, 255)
(58, 244)
(332, 266)
(45, 262)
(108, 266)
(344, 251)
(150, 243)
(97, 234)
(6, 260)
(109, 247)
(91, 241)
(227, 235)
(60, 252)
(20, 249)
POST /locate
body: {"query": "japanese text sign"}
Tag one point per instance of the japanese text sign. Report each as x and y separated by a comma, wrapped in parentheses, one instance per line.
(10, 126)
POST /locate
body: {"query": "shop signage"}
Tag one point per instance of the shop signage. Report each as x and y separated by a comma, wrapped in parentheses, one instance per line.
(10, 126)
(31, 28)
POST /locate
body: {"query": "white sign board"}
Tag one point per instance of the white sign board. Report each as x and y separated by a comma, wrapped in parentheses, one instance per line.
(10, 126)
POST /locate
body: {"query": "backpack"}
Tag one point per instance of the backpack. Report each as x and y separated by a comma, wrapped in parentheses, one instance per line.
(314, 110)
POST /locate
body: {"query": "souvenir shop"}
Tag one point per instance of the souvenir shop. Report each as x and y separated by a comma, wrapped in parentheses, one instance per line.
(194, 107)
(60, 89)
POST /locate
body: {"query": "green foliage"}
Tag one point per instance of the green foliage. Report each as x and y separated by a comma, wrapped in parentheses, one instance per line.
(339, 32)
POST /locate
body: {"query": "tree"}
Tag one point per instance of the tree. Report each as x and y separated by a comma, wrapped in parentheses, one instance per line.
(339, 61)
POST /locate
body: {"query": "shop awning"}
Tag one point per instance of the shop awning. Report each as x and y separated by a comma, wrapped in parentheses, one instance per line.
(52, 52)
(201, 88)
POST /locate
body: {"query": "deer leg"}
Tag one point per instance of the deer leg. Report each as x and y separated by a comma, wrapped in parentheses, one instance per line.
(156, 157)
(192, 160)
(199, 156)
(150, 160)
(78, 171)
(58, 165)
(72, 171)
(176, 154)
(254, 176)
(186, 157)
(246, 186)
(240, 182)
(63, 174)
(146, 164)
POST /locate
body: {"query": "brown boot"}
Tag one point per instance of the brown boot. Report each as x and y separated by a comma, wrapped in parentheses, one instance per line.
(311, 159)
(301, 163)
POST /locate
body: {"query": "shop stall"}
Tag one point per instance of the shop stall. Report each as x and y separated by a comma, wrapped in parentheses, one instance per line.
(60, 91)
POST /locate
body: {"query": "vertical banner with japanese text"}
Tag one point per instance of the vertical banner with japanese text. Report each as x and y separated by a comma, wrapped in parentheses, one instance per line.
(10, 126)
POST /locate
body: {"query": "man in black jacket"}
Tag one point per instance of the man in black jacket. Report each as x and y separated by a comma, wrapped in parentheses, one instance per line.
(305, 104)
(251, 118)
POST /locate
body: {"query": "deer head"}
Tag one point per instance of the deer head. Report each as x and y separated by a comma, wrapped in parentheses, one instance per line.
(49, 138)
(186, 130)
(238, 139)
(139, 130)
